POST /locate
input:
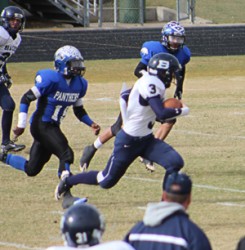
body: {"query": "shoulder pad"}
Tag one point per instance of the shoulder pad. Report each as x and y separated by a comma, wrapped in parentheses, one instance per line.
(187, 50)
(4, 36)
(47, 75)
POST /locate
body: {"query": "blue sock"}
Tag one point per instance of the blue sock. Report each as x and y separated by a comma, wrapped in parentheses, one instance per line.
(67, 167)
(16, 161)
(89, 178)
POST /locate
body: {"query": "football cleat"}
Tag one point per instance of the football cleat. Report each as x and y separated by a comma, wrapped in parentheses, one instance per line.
(87, 156)
(11, 146)
(148, 164)
(62, 188)
(3, 156)
(69, 200)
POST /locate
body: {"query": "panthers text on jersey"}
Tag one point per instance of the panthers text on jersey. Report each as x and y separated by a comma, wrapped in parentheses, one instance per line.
(55, 94)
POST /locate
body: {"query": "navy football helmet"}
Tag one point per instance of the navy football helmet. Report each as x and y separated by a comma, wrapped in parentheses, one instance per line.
(164, 65)
(82, 224)
(13, 19)
(69, 61)
(173, 35)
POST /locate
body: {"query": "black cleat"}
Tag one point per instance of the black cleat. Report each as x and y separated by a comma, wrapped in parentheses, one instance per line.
(69, 200)
(62, 187)
(11, 146)
(3, 156)
(87, 156)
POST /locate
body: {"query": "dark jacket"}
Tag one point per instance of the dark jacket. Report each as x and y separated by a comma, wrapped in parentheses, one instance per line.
(167, 226)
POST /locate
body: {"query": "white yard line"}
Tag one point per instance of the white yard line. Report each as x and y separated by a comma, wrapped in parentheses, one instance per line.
(230, 204)
(209, 134)
(195, 185)
(19, 246)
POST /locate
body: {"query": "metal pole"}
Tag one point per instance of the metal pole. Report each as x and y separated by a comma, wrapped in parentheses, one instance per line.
(100, 16)
(95, 7)
(177, 11)
(86, 16)
(115, 12)
(188, 8)
(88, 13)
(141, 12)
(192, 8)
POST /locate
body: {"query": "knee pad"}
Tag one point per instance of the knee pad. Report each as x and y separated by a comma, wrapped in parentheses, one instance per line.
(32, 171)
(8, 103)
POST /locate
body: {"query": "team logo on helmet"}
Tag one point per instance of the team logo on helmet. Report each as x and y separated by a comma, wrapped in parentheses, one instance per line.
(163, 65)
(173, 35)
(69, 61)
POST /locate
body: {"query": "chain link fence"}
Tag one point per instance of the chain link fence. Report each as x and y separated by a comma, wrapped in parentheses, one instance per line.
(135, 11)
(185, 9)
(121, 11)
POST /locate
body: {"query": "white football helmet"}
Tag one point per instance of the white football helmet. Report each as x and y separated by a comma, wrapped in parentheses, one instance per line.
(69, 61)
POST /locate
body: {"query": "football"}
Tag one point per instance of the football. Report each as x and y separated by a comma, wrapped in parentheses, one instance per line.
(172, 103)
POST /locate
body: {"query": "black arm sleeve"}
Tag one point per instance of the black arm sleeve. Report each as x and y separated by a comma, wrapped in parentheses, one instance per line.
(4, 69)
(162, 113)
(28, 97)
(180, 76)
(79, 112)
(140, 66)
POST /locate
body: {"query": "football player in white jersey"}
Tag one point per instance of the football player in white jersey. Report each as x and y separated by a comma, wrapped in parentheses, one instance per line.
(172, 42)
(13, 22)
(145, 105)
(82, 226)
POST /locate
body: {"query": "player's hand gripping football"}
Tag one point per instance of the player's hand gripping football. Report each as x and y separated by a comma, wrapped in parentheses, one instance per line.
(96, 128)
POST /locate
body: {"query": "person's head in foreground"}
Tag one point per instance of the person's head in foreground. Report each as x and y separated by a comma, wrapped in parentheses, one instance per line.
(178, 189)
(82, 225)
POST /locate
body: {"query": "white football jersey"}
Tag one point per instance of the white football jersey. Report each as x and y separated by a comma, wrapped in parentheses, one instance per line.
(139, 118)
(8, 46)
(113, 245)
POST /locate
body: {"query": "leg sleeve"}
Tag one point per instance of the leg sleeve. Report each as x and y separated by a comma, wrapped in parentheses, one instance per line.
(117, 125)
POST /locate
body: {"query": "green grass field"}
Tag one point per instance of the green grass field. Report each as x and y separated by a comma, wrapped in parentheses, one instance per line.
(211, 140)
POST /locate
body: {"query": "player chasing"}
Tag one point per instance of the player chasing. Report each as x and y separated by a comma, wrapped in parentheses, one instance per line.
(173, 39)
(13, 22)
(55, 91)
(144, 106)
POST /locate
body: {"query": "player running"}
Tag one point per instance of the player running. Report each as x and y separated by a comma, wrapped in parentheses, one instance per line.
(145, 105)
(55, 91)
(173, 38)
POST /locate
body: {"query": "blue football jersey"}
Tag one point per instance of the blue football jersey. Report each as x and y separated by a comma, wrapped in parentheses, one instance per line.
(55, 94)
(150, 48)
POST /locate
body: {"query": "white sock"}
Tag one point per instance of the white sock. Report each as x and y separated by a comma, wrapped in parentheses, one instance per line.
(98, 143)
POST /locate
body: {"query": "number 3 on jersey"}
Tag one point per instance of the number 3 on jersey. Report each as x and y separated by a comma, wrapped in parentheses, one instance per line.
(152, 88)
